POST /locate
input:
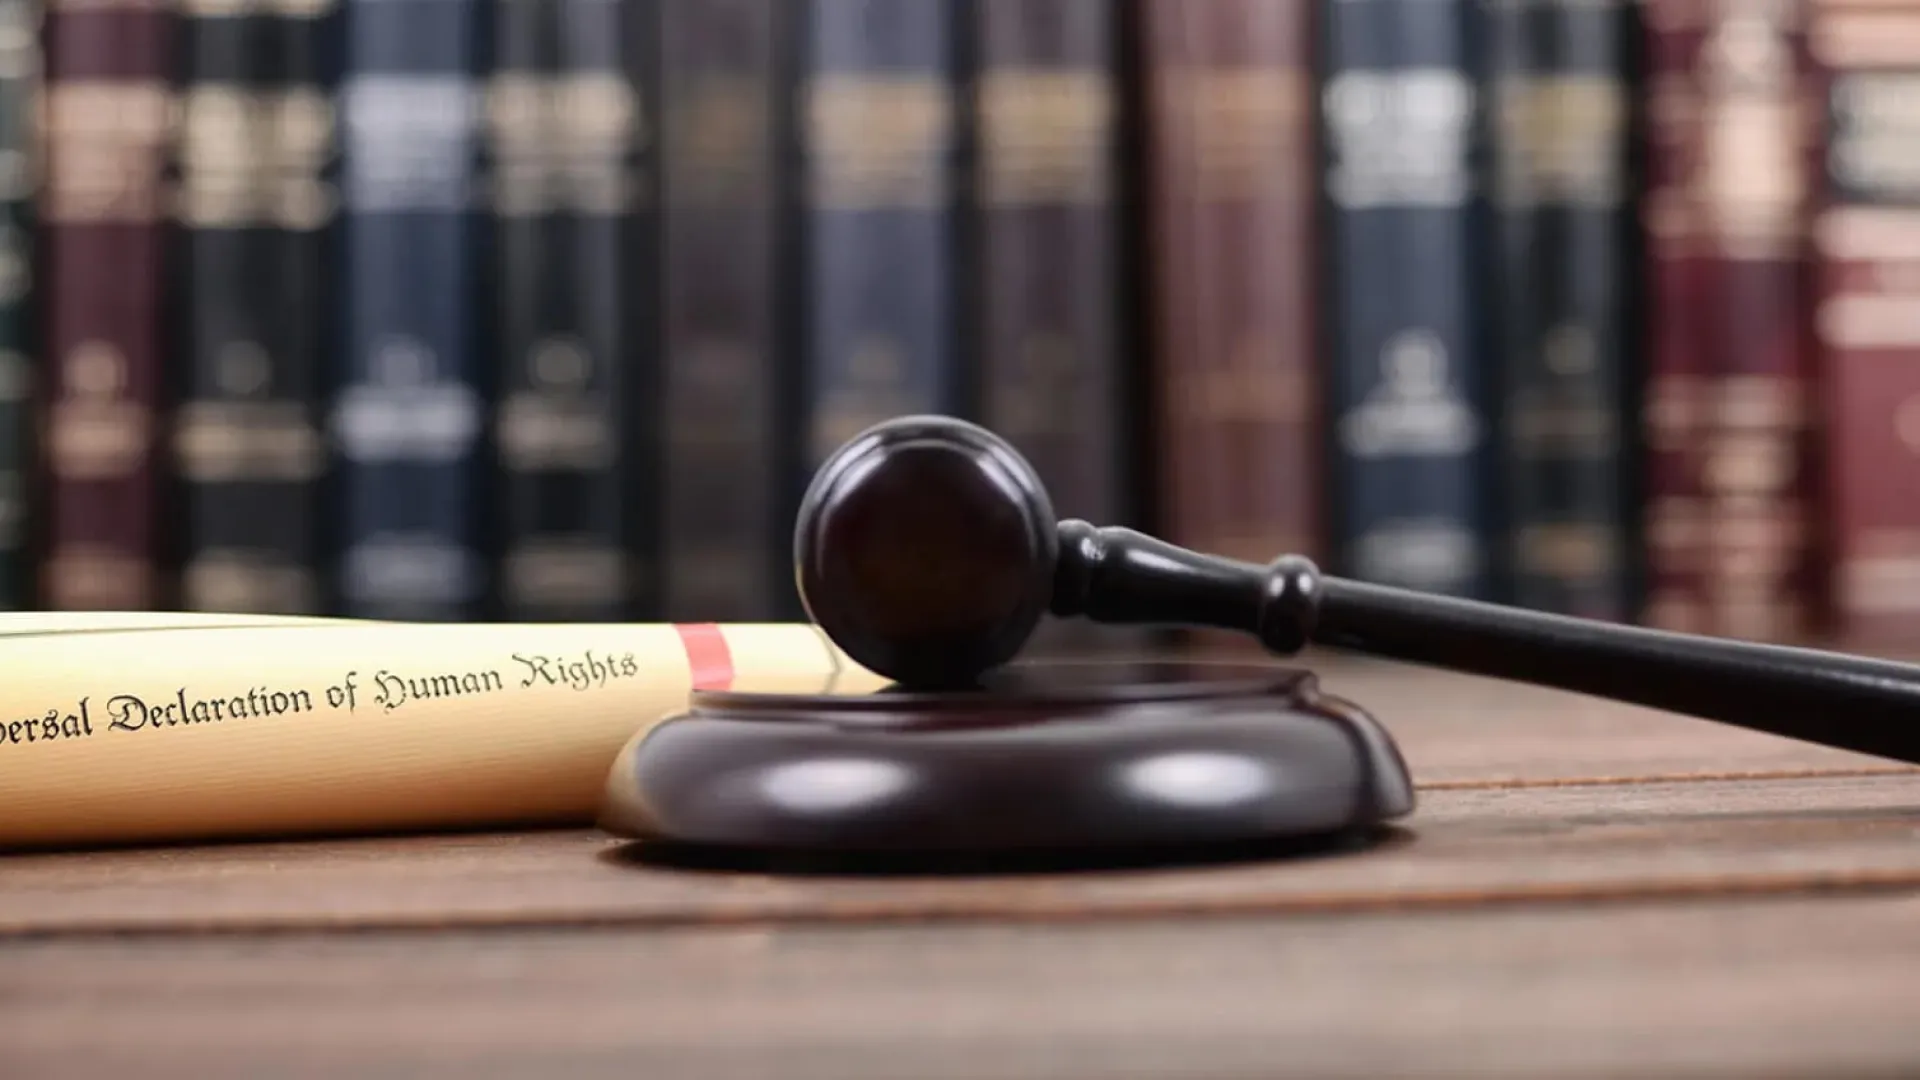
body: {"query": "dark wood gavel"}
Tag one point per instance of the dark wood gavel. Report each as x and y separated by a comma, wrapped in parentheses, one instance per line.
(927, 548)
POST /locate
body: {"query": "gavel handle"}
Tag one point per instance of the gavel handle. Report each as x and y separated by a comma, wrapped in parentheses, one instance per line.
(1833, 699)
(1871, 706)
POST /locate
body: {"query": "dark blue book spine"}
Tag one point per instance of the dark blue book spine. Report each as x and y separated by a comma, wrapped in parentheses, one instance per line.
(410, 403)
(251, 209)
(1557, 121)
(1410, 430)
(879, 157)
(569, 119)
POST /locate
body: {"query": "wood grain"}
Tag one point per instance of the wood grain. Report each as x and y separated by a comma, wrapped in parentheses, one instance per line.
(1721, 989)
(1464, 848)
(1585, 890)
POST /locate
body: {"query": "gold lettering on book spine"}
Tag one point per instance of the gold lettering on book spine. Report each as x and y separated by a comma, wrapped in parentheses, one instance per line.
(238, 580)
(1673, 411)
(303, 128)
(516, 116)
(1759, 536)
(243, 433)
(105, 148)
(1565, 414)
(1561, 139)
(1242, 131)
(1046, 137)
(1567, 551)
(216, 148)
(1670, 207)
(1753, 177)
(98, 577)
(558, 420)
(564, 143)
(601, 124)
(95, 430)
(250, 157)
(877, 140)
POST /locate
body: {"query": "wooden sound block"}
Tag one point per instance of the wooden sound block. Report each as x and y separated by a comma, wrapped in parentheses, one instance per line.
(1039, 757)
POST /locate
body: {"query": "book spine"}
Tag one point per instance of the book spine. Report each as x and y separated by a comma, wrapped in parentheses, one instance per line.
(565, 118)
(306, 333)
(409, 404)
(726, 391)
(108, 117)
(880, 154)
(250, 209)
(1758, 122)
(1230, 159)
(1674, 374)
(1410, 438)
(1045, 218)
(1866, 242)
(20, 94)
(1043, 279)
(1557, 116)
(263, 729)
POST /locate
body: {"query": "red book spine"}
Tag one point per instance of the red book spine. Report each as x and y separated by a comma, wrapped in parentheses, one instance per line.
(1676, 280)
(1758, 121)
(1867, 259)
(107, 117)
(1231, 196)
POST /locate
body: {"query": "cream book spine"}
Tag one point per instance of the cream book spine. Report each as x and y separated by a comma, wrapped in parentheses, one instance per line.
(119, 730)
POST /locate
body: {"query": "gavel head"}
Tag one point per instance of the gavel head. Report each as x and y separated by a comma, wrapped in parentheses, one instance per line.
(925, 548)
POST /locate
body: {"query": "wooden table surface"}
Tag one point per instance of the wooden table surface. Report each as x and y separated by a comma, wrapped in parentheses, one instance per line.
(1585, 890)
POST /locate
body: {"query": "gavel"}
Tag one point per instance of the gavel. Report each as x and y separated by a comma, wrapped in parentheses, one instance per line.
(927, 549)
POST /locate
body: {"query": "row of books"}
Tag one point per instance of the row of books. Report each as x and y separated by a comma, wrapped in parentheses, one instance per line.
(546, 308)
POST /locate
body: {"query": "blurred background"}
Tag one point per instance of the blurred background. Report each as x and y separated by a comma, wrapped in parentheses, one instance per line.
(546, 309)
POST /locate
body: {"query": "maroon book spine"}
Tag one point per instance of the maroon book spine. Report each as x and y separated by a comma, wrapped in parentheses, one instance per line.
(1231, 183)
(1046, 278)
(1758, 121)
(1866, 244)
(1675, 373)
(106, 119)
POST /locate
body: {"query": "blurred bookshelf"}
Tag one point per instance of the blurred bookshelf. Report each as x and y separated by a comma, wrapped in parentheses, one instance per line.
(545, 309)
